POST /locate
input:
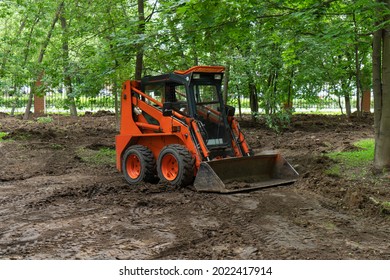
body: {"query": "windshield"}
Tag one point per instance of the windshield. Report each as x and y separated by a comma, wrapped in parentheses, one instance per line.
(206, 94)
(208, 111)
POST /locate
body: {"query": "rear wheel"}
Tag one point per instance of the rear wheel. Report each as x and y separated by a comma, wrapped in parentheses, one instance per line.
(138, 164)
(175, 166)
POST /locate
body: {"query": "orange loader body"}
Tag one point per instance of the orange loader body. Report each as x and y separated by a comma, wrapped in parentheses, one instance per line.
(173, 125)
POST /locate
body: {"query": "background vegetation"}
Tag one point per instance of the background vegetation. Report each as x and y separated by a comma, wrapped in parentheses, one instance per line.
(275, 51)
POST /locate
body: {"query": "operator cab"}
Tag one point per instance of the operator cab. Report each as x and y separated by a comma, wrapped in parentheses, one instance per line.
(167, 89)
(207, 101)
(197, 95)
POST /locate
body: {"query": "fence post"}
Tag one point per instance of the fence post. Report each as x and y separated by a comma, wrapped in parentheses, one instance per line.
(39, 101)
(366, 106)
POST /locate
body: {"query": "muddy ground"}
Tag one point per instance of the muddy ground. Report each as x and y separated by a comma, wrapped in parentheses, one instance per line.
(62, 198)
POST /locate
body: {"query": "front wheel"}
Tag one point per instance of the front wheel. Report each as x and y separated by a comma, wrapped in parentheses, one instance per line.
(138, 164)
(175, 166)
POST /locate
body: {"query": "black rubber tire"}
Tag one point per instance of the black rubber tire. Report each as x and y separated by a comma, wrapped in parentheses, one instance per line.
(147, 164)
(185, 162)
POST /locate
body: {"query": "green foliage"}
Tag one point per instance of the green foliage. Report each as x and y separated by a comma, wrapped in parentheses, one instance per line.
(276, 50)
(278, 121)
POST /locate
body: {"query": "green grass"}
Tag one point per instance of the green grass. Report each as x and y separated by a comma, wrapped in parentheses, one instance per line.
(2, 135)
(353, 163)
(326, 112)
(385, 207)
(334, 171)
(55, 146)
(104, 156)
(363, 155)
(47, 119)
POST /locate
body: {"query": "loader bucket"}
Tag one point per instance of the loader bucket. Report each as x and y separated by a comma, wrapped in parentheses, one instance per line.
(244, 174)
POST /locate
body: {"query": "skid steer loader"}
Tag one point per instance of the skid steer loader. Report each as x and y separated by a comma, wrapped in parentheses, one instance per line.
(176, 129)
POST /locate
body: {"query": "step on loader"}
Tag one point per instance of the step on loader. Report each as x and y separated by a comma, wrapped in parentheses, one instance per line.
(175, 128)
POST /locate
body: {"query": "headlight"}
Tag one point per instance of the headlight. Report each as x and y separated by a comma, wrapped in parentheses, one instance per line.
(217, 76)
(196, 76)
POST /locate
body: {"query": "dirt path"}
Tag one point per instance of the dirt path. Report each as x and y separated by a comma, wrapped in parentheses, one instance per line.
(58, 200)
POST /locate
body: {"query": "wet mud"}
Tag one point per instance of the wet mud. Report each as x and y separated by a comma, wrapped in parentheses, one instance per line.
(60, 198)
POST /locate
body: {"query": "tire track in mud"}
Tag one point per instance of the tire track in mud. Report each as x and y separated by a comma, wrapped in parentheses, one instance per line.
(255, 241)
(30, 240)
(272, 234)
(60, 205)
(144, 208)
(150, 223)
(190, 236)
(144, 214)
(347, 236)
(207, 219)
(42, 188)
(248, 229)
(47, 208)
(366, 236)
(34, 228)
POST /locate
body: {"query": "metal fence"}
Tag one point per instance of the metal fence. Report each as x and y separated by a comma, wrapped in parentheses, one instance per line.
(56, 102)
(321, 103)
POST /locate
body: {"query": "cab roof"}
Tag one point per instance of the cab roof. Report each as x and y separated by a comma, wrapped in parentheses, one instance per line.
(202, 69)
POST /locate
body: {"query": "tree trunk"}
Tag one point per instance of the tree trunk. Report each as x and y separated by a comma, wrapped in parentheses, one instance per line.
(226, 84)
(139, 64)
(357, 68)
(382, 96)
(115, 87)
(274, 92)
(115, 91)
(29, 102)
(40, 59)
(340, 106)
(357, 77)
(239, 101)
(347, 100)
(289, 103)
(253, 100)
(239, 106)
(268, 95)
(376, 78)
(66, 65)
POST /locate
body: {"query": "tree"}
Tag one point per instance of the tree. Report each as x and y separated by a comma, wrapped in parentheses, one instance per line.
(66, 62)
(276, 51)
(381, 87)
(40, 58)
(141, 32)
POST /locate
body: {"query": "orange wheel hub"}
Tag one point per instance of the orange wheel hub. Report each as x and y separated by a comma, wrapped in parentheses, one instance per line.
(133, 166)
(169, 167)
